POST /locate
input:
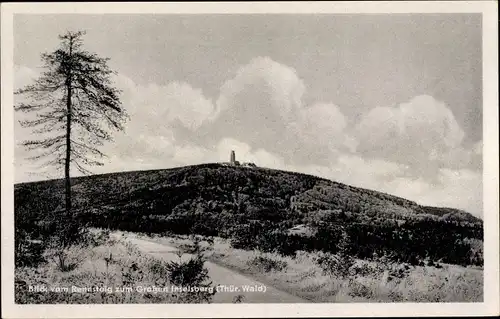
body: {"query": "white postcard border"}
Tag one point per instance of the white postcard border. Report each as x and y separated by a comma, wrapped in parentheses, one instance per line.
(490, 306)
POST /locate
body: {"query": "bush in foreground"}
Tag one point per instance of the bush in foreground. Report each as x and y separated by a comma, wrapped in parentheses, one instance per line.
(193, 275)
(267, 264)
(105, 264)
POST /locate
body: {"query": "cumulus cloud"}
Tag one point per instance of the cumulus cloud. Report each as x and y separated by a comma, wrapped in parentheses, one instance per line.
(262, 106)
(323, 126)
(419, 132)
(162, 105)
(449, 192)
(279, 83)
(155, 111)
(256, 106)
(422, 124)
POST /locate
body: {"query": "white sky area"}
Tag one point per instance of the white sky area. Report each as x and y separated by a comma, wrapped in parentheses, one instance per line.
(391, 103)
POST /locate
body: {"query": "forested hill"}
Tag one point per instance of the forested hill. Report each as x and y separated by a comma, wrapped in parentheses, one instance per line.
(215, 199)
(163, 190)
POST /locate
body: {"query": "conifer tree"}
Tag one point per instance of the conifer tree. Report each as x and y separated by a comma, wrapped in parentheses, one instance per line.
(74, 107)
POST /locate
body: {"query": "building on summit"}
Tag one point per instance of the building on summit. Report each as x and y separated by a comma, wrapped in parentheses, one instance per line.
(232, 159)
(234, 162)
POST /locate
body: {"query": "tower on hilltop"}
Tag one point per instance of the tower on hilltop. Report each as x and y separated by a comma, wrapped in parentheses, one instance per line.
(232, 159)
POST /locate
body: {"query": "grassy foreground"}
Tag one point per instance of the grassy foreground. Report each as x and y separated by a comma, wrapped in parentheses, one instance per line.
(107, 271)
(112, 270)
(305, 276)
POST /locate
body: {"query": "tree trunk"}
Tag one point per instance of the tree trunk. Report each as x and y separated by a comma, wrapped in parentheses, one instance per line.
(68, 138)
(68, 153)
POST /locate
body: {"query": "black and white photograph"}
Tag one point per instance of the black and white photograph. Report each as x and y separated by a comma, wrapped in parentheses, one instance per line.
(250, 158)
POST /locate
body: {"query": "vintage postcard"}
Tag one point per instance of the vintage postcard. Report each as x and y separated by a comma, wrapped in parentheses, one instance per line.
(249, 159)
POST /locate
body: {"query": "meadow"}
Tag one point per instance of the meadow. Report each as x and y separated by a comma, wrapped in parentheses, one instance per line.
(109, 269)
(306, 275)
(103, 270)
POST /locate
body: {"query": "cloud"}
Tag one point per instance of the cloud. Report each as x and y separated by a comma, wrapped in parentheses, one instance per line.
(262, 106)
(449, 192)
(192, 155)
(163, 105)
(255, 107)
(323, 126)
(155, 111)
(262, 76)
(186, 104)
(422, 124)
(422, 132)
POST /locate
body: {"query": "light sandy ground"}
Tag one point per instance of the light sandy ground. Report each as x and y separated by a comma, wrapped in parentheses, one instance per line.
(219, 276)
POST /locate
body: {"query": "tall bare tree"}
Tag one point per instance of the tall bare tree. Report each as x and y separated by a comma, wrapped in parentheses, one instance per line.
(74, 105)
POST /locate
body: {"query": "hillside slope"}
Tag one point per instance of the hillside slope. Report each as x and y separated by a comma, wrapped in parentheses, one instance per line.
(165, 189)
(215, 199)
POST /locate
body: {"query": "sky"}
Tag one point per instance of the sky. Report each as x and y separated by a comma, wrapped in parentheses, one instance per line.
(386, 102)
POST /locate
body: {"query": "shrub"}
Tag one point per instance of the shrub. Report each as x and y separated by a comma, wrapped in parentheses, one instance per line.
(66, 259)
(196, 246)
(399, 271)
(95, 238)
(158, 267)
(363, 270)
(392, 270)
(68, 232)
(357, 289)
(267, 264)
(191, 274)
(335, 265)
